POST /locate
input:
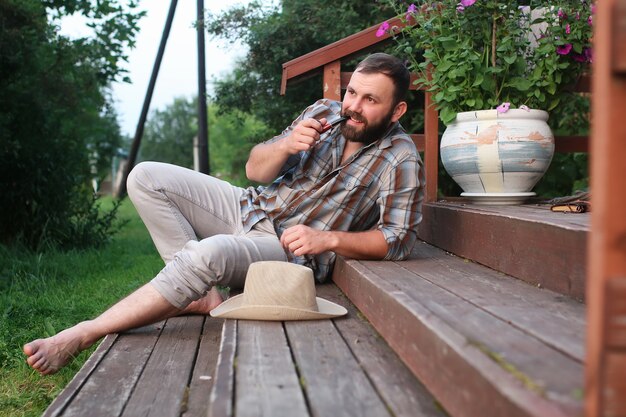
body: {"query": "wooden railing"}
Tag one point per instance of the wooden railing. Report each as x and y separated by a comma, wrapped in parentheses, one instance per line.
(328, 61)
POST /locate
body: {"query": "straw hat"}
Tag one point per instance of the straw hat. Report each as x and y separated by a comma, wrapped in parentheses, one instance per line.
(278, 291)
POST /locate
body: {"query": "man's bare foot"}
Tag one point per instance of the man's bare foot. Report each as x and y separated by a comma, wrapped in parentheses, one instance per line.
(49, 355)
(204, 305)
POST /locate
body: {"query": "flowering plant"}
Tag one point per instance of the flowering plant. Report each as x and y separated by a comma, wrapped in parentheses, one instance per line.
(481, 54)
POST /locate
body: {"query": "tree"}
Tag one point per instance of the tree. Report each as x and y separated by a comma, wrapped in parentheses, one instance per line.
(232, 136)
(53, 108)
(168, 135)
(278, 34)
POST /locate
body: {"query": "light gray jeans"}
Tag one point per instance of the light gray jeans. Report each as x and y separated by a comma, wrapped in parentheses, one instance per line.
(195, 223)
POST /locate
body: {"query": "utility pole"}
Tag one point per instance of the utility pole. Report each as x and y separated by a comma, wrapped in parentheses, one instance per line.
(134, 150)
(203, 131)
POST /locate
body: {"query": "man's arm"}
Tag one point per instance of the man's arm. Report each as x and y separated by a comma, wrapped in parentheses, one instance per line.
(267, 159)
(303, 240)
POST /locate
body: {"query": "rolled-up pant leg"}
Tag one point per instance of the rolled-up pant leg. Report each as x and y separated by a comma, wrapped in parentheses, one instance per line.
(195, 223)
(219, 259)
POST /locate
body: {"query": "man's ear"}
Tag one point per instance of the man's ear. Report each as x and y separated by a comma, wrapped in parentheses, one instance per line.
(399, 111)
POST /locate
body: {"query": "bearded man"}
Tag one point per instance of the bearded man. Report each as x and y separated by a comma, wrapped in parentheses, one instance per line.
(346, 180)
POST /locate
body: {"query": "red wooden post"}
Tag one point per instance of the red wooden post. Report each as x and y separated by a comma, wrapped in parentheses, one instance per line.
(332, 80)
(431, 153)
(605, 392)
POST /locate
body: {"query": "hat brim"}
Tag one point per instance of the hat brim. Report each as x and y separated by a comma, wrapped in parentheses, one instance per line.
(233, 308)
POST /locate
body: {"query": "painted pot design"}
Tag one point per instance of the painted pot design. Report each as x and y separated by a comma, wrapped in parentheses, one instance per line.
(488, 152)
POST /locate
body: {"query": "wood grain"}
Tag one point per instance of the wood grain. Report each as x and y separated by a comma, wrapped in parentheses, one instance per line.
(162, 387)
(334, 382)
(267, 381)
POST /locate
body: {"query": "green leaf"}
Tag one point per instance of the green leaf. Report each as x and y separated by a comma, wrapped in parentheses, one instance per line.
(479, 79)
(445, 66)
(455, 88)
(520, 84)
(447, 115)
(510, 59)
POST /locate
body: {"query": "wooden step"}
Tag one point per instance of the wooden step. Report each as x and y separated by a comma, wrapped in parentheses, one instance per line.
(529, 242)
(483, 343)
(200, 366)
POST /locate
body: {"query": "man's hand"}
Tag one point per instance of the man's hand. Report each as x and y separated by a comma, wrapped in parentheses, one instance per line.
(303, 240)
(304, 136)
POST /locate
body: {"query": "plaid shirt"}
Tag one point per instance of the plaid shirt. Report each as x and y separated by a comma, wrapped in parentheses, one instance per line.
(381, 185)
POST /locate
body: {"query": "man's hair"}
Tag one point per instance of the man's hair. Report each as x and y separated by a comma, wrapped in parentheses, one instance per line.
(392, 67)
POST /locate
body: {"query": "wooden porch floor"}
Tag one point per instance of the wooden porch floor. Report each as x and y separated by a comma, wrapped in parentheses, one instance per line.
(481, 342)
(197, 366)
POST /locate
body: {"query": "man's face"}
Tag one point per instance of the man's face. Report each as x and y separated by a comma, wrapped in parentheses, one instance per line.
(368, 104)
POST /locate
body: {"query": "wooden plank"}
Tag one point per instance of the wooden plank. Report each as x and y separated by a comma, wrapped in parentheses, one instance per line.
(267, 381)
(403, 393)
(356, 43)
(168, 370)
(431, 153)
(222, 394)
(438, 354)
(67, 395)
(419, 141)
(618, 52)
(123, 363)
(567, 144)
(542, 368)
(615, 383)
(334, 382)
(332, 81)
(615, 368)
(201, 382)
(539, 213)
(607, 244)
(552, 318)
(615, 312)
(541, 254)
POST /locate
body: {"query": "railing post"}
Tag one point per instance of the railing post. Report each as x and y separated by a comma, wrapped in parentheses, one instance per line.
(332, 80)
(431, 148)
(606, 249)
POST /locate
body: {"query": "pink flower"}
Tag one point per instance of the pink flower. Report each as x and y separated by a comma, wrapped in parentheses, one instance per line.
(564, 49)
(467, 3)
(568, 29)
(411, 11)
(579, 57)
(382, 30)
(524, 107)
(577, 15)
(561, 14)
(590, 20)
(588, 54)
(503, 108)
(460, 8)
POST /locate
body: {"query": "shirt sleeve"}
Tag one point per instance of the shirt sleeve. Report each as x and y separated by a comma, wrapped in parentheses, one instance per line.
(321, 108)
(400, 201)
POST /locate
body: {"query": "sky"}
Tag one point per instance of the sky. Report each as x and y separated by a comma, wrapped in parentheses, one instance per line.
(178, 73)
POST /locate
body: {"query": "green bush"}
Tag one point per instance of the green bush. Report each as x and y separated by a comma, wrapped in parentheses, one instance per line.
(53, 110)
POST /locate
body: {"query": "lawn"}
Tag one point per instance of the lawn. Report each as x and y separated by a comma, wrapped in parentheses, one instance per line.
(41, 294)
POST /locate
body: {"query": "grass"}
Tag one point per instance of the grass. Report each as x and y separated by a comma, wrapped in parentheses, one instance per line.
(41, 294)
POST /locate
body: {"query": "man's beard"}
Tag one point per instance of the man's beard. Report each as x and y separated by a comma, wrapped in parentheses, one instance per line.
(369, 133)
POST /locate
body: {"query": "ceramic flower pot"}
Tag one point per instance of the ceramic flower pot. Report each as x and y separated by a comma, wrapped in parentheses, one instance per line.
(497, 158)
